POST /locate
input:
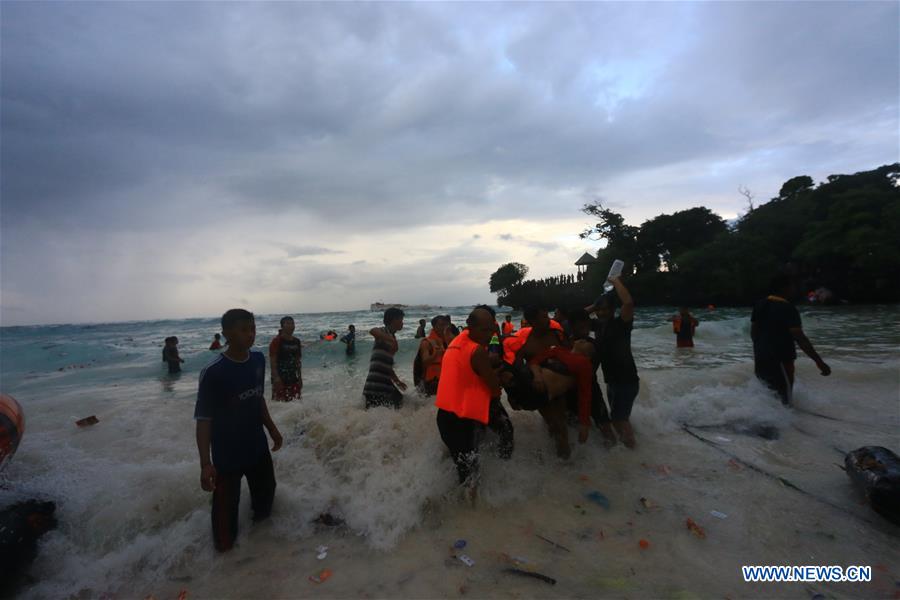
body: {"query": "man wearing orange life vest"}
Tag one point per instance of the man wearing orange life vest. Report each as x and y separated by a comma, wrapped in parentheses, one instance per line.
(683, 326)
(508, 327)
(466, 388)
(427, 372)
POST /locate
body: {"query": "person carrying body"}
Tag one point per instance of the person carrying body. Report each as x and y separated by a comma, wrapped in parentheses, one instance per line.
(614, 336)
(542, 371)
(583, 343)
(286, 361)
(349, 338)
(684, 324)
(232, 418)
(382, 383)
(467, 386)
(775, 329)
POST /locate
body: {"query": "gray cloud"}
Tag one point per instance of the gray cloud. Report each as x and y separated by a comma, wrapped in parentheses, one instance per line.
(536, 244)
(162, 120)
(297, 251)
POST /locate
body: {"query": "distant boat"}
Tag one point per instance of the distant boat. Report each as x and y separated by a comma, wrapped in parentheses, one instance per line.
(381, 306)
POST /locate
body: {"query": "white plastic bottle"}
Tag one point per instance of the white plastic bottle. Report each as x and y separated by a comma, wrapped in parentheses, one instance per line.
(614, 271)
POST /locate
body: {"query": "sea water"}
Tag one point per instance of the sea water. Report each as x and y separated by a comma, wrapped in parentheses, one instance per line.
(133, 520)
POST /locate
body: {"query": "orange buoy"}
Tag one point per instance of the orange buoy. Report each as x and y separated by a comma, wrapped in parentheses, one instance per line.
(12, 427)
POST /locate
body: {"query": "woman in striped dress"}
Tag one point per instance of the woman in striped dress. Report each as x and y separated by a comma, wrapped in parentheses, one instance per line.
(382, 383)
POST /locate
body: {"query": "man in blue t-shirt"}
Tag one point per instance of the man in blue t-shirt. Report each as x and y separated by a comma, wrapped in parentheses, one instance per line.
(231, 413)
(775, 328)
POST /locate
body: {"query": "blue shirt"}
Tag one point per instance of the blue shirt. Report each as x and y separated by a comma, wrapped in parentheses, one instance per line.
(231, 396)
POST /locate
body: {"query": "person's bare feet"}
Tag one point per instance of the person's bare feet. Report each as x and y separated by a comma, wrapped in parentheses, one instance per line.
(609, 437)
(626, 433)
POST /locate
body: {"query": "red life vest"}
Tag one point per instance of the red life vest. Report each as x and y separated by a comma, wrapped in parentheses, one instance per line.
(460, 390)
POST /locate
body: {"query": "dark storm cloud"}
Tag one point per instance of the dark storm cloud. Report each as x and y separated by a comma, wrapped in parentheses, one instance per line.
(173, 119)
(337, 109)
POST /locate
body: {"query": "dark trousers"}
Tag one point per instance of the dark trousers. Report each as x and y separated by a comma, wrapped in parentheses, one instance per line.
(462, 437)
(501, 424)
(778, 376)
(621, 399)
(227, 497)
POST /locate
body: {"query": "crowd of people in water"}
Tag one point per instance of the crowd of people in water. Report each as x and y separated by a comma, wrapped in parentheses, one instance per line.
(546, 364)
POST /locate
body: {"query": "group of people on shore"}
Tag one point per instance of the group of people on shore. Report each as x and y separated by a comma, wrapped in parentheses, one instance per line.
(548, 365)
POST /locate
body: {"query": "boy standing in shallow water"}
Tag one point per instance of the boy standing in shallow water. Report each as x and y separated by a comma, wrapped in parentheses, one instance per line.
(231, 413)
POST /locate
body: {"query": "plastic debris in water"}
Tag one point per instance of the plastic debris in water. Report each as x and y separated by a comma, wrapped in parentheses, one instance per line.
(695, 529)
(598, 498)
(466, 560)
(719, 438)
(718, 515)
(644, 544)
(459, 544)
(321, 577)
(322, 552)
(91, 420)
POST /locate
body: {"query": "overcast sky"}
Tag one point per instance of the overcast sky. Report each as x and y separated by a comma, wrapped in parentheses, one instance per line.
(178, 159)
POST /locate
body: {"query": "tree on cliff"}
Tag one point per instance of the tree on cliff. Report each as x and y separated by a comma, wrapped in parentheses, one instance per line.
(507, 276)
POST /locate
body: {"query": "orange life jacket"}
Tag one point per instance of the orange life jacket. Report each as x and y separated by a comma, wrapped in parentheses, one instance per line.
(433, 370)
(460, 390)
(513, 343)
(508, 327)
(554, 324)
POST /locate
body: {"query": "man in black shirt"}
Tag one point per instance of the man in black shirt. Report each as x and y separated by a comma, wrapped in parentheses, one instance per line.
(614, 337)
(775, 327)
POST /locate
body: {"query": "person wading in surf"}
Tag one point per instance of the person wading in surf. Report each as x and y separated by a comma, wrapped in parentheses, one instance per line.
(467, 387)
(775, 328)
(383, 387)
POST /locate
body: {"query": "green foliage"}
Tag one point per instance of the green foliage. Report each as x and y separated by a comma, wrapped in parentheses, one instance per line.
(663, 238)
(507, 276)
(843, 234)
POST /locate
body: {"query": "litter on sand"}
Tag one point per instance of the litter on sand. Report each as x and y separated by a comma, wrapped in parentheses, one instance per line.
(695, 529)
(91, 420)
(598, 498)
(466, 560)
(552, 543)
(321, 577)
(531, 574)
(718, 515)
